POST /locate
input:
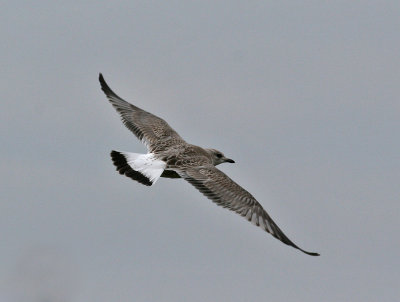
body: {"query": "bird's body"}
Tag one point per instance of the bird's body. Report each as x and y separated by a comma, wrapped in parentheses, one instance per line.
(171, 156)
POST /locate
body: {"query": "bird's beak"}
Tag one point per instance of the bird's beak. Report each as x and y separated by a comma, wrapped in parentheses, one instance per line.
(228, 160)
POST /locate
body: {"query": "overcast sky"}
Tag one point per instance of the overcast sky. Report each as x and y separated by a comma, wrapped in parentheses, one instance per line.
(303, 95)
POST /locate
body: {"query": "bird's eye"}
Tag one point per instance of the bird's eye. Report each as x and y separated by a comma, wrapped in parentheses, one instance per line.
(219, 155)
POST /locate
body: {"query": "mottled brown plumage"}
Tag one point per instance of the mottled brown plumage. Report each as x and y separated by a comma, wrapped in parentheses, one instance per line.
(192, 163)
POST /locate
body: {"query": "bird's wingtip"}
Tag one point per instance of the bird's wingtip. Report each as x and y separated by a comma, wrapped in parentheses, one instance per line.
(101, 78)
(310, 253)
(104, 86)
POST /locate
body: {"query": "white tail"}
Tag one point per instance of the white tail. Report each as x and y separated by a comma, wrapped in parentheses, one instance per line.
(146, 164)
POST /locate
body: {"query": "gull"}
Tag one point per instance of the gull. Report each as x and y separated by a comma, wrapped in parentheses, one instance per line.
(169, 155)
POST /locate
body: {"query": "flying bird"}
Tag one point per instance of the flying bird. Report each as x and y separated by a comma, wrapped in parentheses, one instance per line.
(169, 155)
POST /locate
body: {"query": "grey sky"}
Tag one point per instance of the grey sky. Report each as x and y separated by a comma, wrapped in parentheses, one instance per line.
(304, 96)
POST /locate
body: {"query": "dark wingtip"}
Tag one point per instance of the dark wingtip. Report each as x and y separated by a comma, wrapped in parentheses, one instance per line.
(311, 254)
(289, 242)
(101, 79)
(305, 252)
(103, 83)
(104, 86)
(300, 249)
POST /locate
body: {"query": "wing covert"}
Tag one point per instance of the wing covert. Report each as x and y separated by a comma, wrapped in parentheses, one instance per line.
(222, 190)
(153, 131)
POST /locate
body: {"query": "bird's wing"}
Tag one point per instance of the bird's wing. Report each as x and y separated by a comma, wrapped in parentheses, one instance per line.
(222, 190)
(153, 131)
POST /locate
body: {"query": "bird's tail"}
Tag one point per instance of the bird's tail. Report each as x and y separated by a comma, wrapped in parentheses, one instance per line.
(144, 168)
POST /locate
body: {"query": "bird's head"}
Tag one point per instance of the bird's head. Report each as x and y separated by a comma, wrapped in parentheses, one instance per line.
(218, 157)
